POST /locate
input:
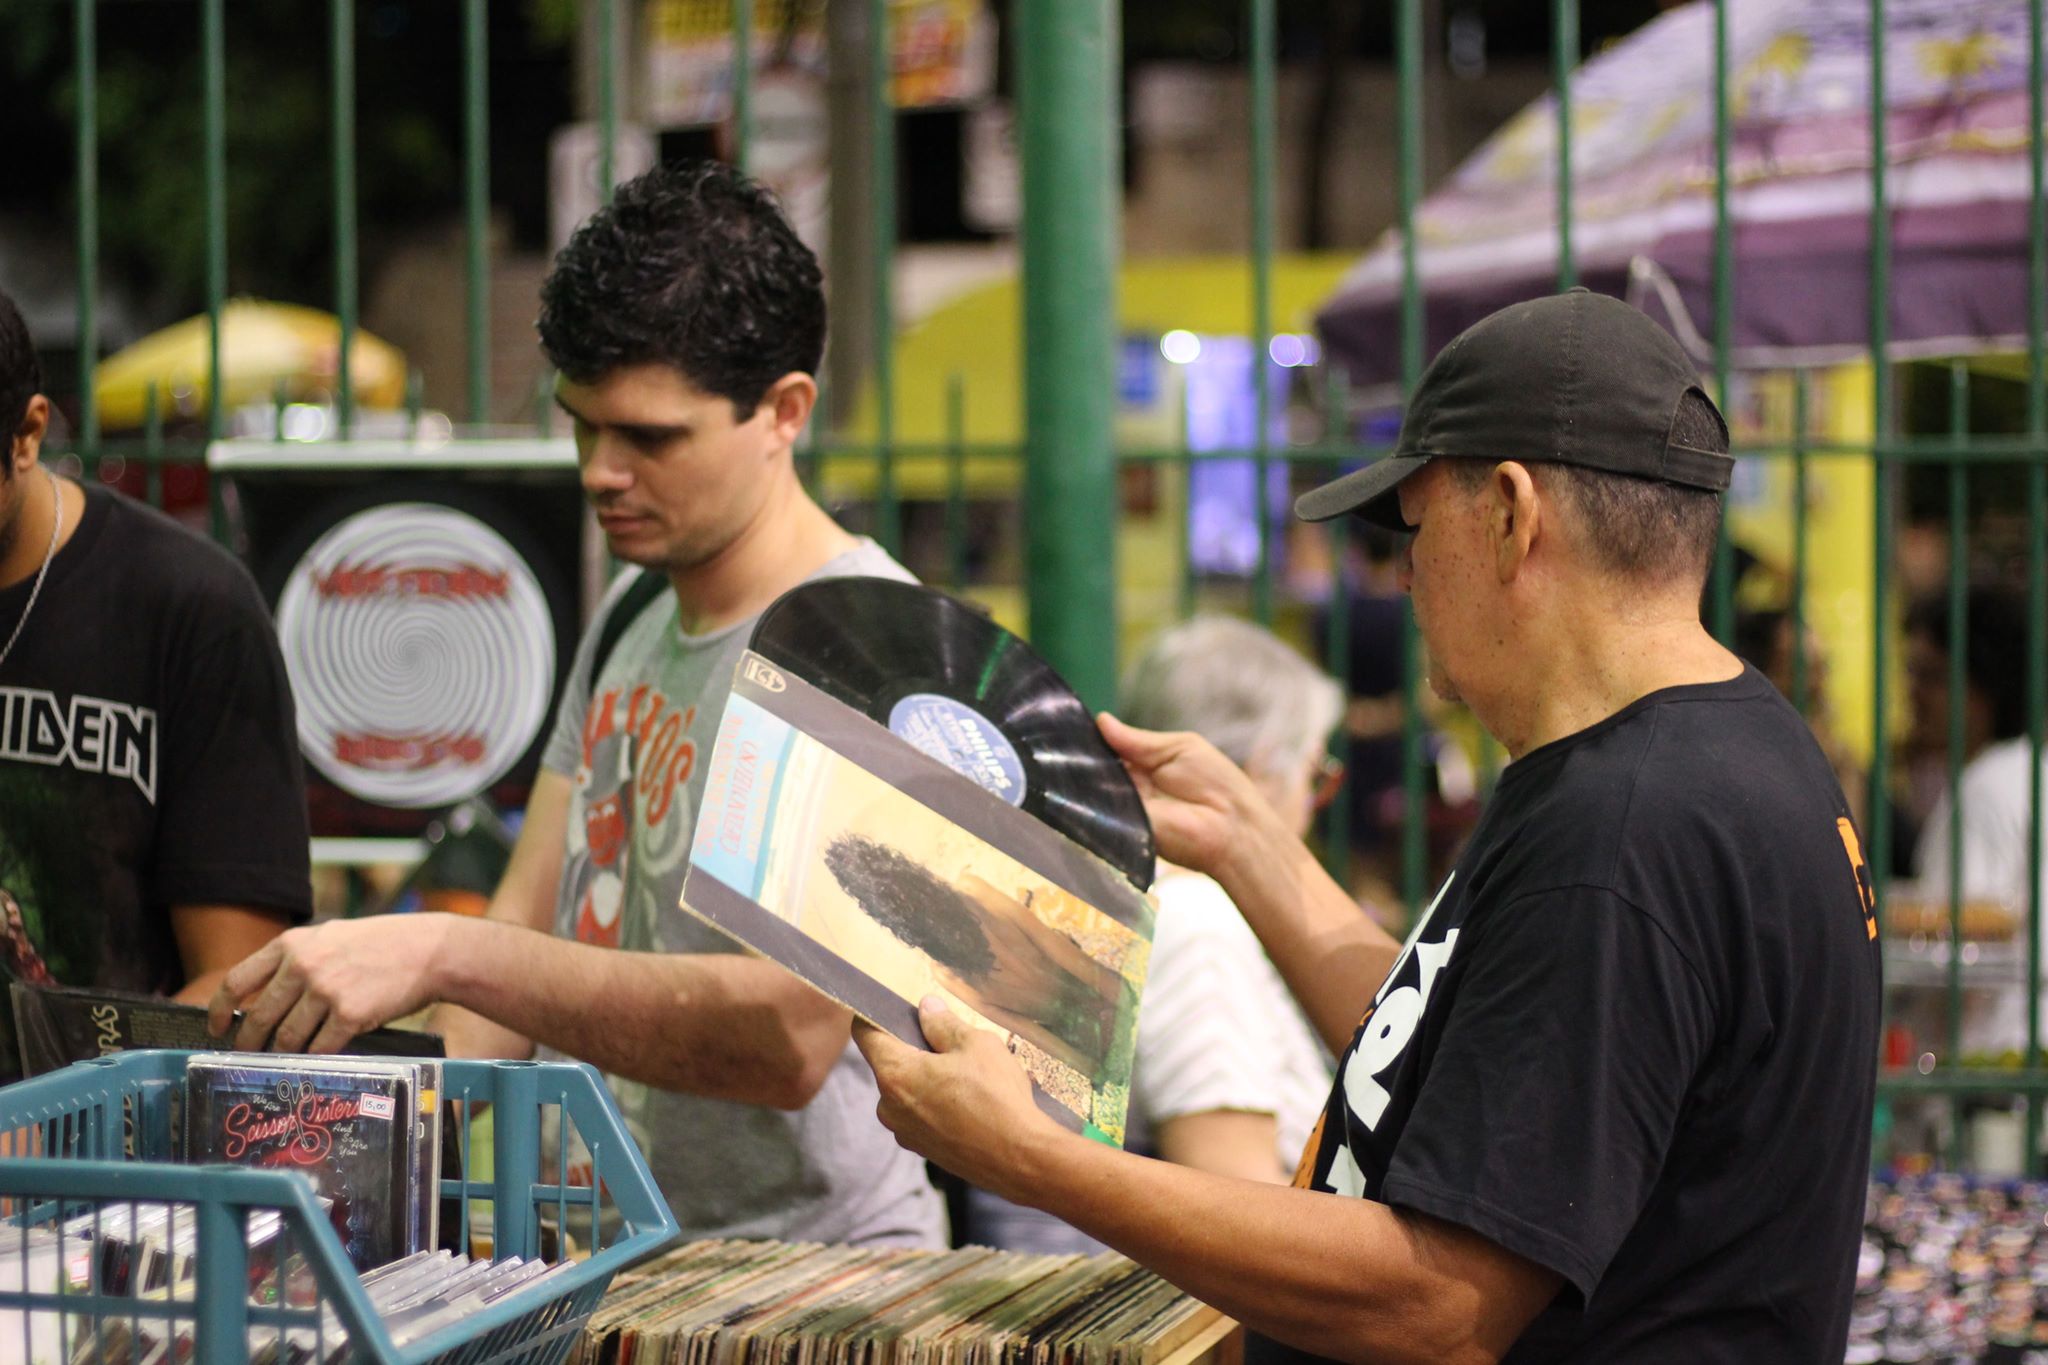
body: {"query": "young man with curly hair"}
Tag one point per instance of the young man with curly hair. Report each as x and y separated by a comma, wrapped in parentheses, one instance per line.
(687, 323)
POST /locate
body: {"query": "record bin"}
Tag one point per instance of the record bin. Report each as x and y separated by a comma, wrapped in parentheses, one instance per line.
(101, 1135)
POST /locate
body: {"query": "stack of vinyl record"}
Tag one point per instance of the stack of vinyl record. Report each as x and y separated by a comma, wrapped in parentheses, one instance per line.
(1953, 1270)
(751, 1303)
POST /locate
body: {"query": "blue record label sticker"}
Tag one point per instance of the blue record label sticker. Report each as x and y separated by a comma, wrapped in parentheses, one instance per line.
(962, 739)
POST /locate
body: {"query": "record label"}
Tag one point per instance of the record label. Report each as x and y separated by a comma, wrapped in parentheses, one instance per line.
(951, 683)
(961, 738)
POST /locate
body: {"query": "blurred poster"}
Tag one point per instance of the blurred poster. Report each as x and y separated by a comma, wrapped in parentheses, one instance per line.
(943, 52)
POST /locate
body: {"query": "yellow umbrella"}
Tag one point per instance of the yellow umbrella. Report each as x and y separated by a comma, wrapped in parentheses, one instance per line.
(262, 346)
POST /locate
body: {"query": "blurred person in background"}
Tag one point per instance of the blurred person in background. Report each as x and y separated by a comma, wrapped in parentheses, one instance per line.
(1765, 639)
(1229, 1076)
(1995, 788)
(1375, 651)
(152, 800)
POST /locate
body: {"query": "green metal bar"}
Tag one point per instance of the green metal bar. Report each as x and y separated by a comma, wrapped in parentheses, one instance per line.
(415, 402)
(1188, 587)
(1408, 96)
(882, 203)
(607, 97)
(742, 81)
(214, 74)
(1263, 61)
(476, 200)
(1881, 502)
(1800, 533)
(1067, 71)
(153, 445)
(1337, 647)
(1723, 599)
(1958, 689)
(1490, 757)
(1337, 644)
(86, 62)
(1564, 56)
(956, 482)
(2014, 449)
(343, 116)
(810, 446)
(2037, 538)
(1963, 1081)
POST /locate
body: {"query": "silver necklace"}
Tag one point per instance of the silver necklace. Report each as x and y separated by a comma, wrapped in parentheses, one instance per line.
(56, 524)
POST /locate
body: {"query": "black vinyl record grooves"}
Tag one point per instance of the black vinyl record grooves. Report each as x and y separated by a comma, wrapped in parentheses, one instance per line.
(968, 693)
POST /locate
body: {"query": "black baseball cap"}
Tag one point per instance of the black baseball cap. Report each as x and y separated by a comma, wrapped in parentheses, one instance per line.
(1576, 378)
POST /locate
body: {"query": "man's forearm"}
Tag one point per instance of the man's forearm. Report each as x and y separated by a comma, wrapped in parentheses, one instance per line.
(727, 1027)
(1331, 954)
(1345, 1278)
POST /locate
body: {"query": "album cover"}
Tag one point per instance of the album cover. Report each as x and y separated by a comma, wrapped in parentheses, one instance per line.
(352, 1127)
(880, 876)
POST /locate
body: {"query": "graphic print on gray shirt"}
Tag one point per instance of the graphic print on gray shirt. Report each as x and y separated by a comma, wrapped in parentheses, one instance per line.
(634, 748)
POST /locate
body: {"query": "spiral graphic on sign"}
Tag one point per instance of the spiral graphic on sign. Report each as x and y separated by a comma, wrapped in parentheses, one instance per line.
(421, 652)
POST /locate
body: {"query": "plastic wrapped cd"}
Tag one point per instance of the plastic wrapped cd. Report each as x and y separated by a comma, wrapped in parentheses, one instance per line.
(968, 693)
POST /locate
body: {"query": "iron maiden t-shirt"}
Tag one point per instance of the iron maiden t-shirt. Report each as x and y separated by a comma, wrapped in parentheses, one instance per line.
(148, 754)
(1634, 1038)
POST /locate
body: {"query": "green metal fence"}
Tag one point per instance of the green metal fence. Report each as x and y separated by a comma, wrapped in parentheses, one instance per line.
(1066, 56)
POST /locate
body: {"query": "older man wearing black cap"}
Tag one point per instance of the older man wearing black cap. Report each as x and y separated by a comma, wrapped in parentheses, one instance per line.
(1611, 1101)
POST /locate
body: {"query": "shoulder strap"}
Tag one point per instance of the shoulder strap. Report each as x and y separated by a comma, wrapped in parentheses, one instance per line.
(624, 612)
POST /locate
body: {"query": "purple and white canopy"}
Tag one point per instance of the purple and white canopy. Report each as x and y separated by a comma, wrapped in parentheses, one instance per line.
(1799, 190)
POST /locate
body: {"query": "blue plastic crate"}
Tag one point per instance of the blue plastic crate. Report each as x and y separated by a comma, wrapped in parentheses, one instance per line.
(103, 1134)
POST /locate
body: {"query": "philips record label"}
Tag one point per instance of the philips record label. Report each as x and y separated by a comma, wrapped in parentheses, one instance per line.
(964, 691)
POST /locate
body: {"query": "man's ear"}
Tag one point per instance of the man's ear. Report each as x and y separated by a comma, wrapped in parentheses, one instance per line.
(25, 442)
(1513, 517)
(790, 401)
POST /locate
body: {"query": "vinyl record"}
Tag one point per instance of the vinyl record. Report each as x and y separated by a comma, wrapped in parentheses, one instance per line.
(968, 693)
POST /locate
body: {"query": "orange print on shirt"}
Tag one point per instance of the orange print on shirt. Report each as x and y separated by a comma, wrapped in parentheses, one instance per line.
(1305, 1168)
(664, 757)
(1868, 894)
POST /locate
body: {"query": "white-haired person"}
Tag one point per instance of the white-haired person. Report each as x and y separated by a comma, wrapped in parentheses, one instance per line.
(1229, 1077)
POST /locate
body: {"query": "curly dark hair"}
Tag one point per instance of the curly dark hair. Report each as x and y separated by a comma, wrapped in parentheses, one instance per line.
(691, 265)
(910, 901)
(21, 376)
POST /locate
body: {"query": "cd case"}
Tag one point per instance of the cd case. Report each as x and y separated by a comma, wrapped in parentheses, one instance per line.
(366, 1133)
(880, 876)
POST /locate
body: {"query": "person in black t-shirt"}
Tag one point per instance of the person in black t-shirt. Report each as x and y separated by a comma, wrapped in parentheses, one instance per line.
(1611, 1101)
(152, 804)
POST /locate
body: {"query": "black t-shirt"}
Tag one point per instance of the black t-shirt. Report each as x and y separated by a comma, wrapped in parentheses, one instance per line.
(1634, 1038)
(148, 752)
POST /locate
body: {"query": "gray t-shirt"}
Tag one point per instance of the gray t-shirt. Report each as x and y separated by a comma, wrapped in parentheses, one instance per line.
(635, 747)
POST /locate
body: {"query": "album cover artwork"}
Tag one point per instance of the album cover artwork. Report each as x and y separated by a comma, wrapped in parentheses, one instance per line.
(880, 876)
(353, 1129)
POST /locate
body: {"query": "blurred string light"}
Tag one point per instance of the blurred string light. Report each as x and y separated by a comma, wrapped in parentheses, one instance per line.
(1285, 349)
(1181, 347)
(1289, 349)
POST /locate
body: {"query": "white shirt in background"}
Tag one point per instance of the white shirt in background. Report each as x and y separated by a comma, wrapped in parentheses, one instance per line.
(1995, 798)
(1217, 1028)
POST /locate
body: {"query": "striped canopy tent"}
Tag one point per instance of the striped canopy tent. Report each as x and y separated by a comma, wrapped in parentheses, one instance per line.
(1642, 208)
